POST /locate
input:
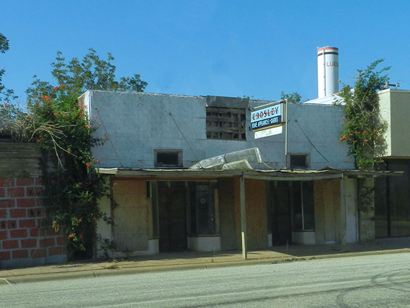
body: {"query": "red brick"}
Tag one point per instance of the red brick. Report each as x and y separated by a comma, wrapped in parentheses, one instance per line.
(47, 242)
(50, 232)
(34, 232)
(16, 192)
(30, 243)
(18, 233)
(10, 244)
(52, 251)
(40, 201)
(27, 223)
(37, 191)
(27, 202)
(11, 224)
(38, 253)
(6, 182)
(61, 240)
(2, 192)
(24, 181)
(4, 255)
(20, 254)
(6, 203)
(36, 212)
(3, 235)
(16, 213)
(3, 214)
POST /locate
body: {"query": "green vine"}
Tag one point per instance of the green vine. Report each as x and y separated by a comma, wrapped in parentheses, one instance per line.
(363, 128)
(72, 184)
(56, 121)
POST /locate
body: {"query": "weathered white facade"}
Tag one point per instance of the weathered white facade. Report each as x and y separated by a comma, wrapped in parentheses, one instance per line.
(134, 125)
(157, 210)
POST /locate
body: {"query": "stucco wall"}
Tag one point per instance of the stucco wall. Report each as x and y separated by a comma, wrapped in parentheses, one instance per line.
(395, 110)
(134, 124)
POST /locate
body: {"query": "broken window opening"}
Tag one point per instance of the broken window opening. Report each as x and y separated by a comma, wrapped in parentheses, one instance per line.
(226, 123)
(298, 161)
(168, 158)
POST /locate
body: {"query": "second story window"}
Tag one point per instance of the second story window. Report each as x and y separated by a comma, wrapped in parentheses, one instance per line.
(168, 158)
(298, 161)
(226, 123)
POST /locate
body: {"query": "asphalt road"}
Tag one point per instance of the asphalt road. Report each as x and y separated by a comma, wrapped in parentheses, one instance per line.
(365, 281)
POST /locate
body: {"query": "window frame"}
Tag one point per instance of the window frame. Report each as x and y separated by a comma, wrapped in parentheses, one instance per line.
(307, 161)
(178, 152)
(301, 205)
(224, 119)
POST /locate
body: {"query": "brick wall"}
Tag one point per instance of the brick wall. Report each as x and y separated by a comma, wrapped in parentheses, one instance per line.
(24, 238)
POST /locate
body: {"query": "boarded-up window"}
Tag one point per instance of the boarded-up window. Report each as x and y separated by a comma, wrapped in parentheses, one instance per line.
(226, 123)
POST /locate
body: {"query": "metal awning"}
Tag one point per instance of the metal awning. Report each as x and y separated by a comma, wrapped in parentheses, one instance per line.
(274, 175)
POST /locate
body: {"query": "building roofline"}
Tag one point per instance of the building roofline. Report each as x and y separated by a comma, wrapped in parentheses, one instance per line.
(393, 90)
(175, 95)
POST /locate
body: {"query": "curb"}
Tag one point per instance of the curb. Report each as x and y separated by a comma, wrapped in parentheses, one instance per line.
(105, 271)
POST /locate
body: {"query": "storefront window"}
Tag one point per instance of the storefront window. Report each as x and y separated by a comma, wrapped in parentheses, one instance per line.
(303, 206)
(202, 208)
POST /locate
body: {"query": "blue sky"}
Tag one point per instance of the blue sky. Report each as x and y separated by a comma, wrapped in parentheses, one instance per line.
(210, 47)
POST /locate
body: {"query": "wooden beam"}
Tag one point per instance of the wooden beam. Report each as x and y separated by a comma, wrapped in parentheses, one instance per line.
(243, 215)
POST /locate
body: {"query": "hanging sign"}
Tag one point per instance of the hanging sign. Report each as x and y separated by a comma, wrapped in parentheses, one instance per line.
(267, 116)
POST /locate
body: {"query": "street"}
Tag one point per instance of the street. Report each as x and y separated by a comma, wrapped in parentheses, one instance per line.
(365, 281)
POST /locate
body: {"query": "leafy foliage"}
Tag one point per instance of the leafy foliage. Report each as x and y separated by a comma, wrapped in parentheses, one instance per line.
(73, 186)
(293, 97)
(4, 43)
(56, 121)
(363, 127)
(6, 95)
(89, 73)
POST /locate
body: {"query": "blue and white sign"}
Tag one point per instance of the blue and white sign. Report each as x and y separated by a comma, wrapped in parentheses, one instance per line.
(265, 117)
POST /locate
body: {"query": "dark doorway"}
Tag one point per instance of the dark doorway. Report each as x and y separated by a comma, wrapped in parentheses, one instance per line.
(392, 201)
(172, 216)
(280, 213)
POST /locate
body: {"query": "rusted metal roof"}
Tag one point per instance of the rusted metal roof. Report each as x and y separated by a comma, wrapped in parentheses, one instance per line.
(277, 175)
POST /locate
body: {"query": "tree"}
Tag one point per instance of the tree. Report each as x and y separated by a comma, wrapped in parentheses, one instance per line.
(58, 124)
(90, 73)
(363, 128)
(293, 97)
(6, 95)
(4, 43)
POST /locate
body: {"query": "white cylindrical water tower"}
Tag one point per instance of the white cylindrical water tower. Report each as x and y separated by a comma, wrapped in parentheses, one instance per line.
(327, 71)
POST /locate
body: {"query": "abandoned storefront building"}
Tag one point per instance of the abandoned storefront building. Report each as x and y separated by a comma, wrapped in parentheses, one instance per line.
(186, 173)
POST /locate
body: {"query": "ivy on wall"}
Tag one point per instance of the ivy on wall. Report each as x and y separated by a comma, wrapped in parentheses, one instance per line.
(56, 121)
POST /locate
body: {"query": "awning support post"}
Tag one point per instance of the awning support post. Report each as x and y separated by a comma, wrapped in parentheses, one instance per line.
(243, 216)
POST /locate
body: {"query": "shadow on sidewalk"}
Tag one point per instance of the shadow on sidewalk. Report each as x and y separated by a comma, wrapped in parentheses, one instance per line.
(280, 252)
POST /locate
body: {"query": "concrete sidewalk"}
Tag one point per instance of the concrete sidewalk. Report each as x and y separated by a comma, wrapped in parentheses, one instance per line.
(189, 260)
